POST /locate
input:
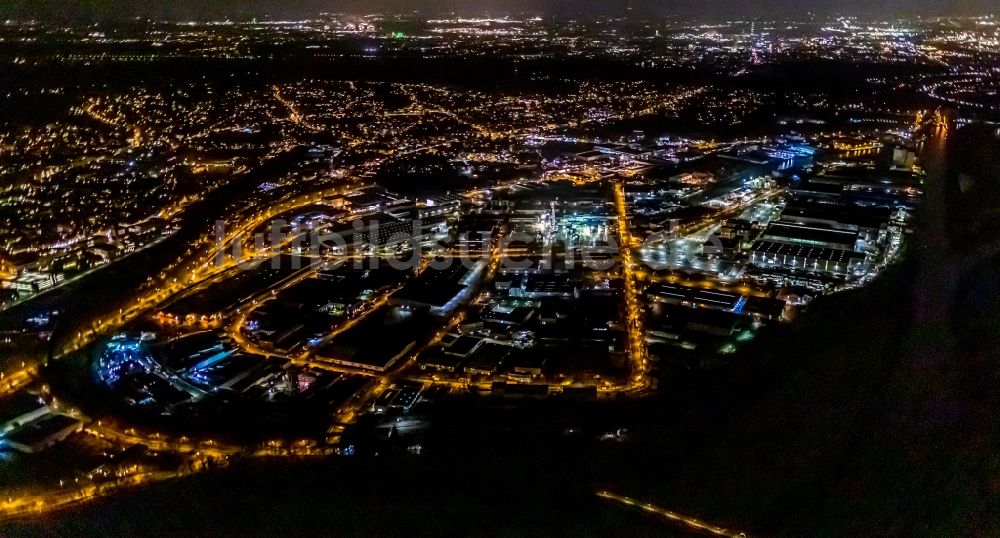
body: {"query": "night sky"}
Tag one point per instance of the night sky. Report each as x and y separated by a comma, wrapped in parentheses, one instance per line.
(701, 9)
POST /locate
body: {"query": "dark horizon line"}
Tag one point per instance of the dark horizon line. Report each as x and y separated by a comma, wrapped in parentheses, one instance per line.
(247, 17)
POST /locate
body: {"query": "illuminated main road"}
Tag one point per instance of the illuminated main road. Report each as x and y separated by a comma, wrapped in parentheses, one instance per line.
(212, 258)
(14, 381)
(687, 521)
(633, 306)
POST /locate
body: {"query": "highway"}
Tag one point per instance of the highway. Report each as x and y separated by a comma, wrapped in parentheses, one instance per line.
(32, 505)
(14, 381)
(689, 522)
(209, 263)
(634, 311)
(160, 443)
(236, 333)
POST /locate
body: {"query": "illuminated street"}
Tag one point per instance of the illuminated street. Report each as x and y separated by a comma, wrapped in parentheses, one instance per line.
(693, 523)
